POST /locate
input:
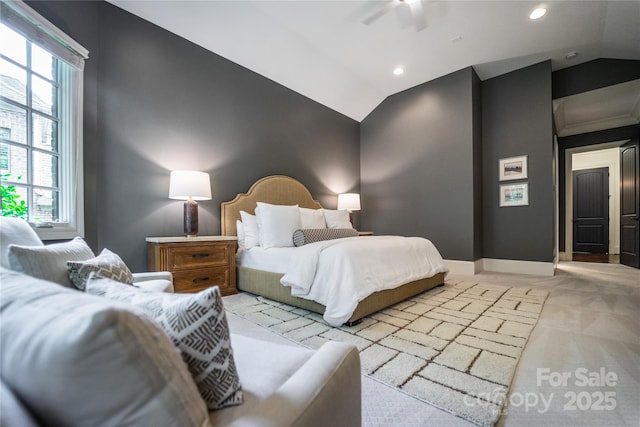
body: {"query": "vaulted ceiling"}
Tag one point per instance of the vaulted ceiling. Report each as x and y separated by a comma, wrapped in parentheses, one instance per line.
(342, 53)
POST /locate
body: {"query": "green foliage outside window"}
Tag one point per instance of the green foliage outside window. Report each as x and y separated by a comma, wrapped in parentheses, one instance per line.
(12, 205)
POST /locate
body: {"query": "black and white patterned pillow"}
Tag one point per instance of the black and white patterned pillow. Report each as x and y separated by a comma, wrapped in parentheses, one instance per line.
(107, 264)
(310, 235)
(197, 325)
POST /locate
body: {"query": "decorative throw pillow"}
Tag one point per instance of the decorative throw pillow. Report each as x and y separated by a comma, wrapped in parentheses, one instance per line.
(240, 234)
(337, 219)
(49, 262)
(197, 325)
(312, 218)
(18, 232)
(250, 226)
(107, 264)
(276, 224)
(76, 359)
(306, 236)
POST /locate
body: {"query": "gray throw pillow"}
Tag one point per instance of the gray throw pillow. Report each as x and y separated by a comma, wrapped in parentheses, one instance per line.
(107, 264)
(311, 235)
(77, 360)
(197, 325)
(49, 262)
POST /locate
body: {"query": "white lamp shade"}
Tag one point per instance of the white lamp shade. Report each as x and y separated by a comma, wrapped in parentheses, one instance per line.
(349, 201)
(189, 184)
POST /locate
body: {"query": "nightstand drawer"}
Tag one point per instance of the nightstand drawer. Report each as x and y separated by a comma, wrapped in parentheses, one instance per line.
(196, 263)
(197, 280)
(188, 257)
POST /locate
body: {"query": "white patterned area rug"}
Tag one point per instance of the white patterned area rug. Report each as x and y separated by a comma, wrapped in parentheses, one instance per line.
(455, 347)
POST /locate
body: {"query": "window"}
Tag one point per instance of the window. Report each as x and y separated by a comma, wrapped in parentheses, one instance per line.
(40, 123)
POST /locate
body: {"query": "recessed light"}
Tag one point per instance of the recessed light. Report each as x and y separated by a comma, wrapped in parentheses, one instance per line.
(398, 71)
(538, 13)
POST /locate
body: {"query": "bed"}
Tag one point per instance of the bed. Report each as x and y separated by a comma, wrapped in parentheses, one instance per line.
(284, 190)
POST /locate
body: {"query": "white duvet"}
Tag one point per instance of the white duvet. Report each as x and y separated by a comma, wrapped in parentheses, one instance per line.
(340, 273)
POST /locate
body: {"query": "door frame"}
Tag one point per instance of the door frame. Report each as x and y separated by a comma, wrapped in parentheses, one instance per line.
(567, 255)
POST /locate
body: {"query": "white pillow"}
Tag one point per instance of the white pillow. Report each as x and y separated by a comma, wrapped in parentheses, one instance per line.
(250, 226)
(49, 262)
(240, 234)
(312, 218)
(337, 219)
(76, 359)
(276, 224)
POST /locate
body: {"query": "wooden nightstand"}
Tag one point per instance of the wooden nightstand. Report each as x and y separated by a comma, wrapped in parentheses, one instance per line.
(365, 233)
(196, 263)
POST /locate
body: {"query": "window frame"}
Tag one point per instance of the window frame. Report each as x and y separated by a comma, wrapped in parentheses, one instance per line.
(39, 31)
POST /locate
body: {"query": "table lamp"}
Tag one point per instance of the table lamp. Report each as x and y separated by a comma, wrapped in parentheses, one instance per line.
(190, 186)
(349, 202)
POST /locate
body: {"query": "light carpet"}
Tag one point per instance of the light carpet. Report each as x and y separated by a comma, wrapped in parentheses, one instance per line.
(455, 347)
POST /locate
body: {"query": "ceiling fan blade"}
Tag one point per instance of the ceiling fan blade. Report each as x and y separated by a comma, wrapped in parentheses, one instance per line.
(379, 13)
(417, 13)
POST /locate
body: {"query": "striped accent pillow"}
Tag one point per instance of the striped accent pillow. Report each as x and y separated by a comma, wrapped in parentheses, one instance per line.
(197, 325)
(311, 235)
(107, 264)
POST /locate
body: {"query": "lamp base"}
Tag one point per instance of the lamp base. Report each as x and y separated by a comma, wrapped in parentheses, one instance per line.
(191, 218)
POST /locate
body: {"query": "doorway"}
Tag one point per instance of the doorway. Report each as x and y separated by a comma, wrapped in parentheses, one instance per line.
(581, 160)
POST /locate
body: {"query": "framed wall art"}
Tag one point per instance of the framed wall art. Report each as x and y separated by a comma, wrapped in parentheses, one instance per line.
(513, 168)
(514, 194)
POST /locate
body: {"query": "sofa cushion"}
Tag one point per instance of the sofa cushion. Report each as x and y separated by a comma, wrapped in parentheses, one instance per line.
(18, 232)
(49, 262)
(287, 385)
(13, 411)
(263, 367)
(107, 264)
(76, 359)
(197, 325)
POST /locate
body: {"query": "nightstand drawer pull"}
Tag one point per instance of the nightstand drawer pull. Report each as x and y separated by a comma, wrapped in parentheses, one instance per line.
(200, 279)
(199, 255)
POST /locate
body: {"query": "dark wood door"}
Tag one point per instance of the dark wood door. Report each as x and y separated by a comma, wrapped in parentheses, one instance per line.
(591, 211)
(630, 204)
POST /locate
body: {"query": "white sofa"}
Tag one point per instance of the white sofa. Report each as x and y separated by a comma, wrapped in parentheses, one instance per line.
(283, 385)
(14, 231)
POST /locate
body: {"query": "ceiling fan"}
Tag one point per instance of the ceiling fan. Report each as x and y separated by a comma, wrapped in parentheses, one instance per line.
(410, 10)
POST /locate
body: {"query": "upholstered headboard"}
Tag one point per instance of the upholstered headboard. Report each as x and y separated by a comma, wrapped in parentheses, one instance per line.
(275, 189)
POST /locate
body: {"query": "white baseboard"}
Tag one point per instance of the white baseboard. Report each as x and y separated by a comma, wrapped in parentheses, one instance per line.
(520, 267)
(463, 268)
(470, 268)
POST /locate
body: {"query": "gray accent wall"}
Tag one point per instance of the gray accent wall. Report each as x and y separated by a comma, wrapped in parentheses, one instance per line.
(593, 75)
(517, 120)
(419, 156)
(163, 103)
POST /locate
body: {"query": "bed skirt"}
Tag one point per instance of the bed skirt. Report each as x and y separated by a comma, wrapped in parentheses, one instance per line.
(268, 285)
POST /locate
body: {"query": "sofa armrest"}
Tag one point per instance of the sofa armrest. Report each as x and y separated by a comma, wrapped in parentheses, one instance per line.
(153, 275)
(160, 281)
(325, 391)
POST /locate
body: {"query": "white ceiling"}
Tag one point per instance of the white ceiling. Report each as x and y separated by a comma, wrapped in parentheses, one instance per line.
(322, 49)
